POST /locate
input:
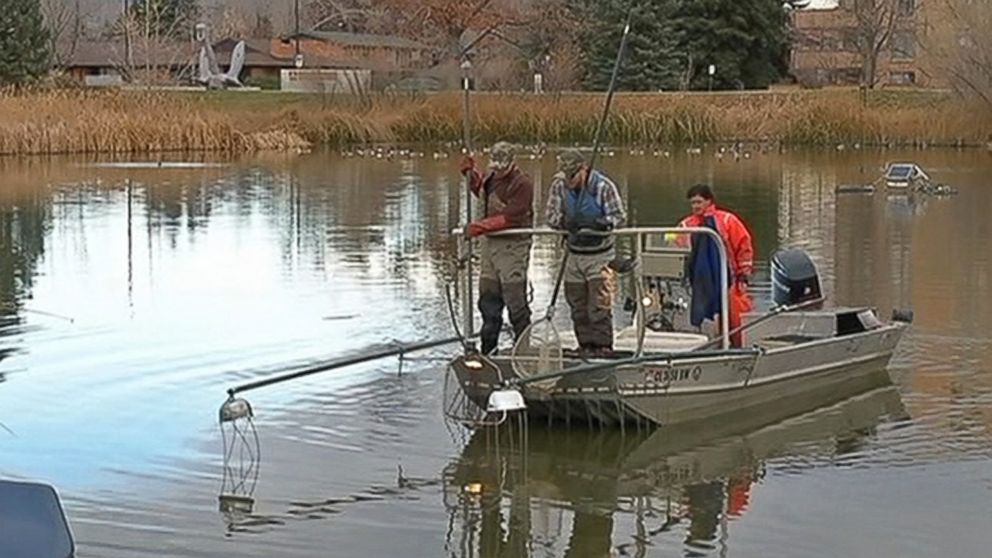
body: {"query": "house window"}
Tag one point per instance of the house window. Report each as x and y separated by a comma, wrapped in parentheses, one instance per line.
(847, 76)
(833, 40)
(906, 7)
(902, 78)
(850, 39)
(903, 45)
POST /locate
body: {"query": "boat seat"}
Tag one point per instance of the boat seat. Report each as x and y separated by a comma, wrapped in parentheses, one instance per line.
(654, 341)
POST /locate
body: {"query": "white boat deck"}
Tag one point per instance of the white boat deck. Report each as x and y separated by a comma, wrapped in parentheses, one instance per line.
(654, 341)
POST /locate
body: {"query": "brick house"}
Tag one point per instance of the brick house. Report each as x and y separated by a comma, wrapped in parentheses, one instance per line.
(101, 62)
(376, 52)
(825, 46)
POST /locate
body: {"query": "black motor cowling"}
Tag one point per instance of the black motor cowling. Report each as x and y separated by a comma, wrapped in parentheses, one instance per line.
(794, 277)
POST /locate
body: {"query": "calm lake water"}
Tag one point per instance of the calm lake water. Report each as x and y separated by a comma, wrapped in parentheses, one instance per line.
(183, 282)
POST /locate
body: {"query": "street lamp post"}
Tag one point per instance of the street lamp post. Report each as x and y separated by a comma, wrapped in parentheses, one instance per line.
(296, 17)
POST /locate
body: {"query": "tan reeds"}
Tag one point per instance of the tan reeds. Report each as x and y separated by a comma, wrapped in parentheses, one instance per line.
(80, 121)
(88, 121)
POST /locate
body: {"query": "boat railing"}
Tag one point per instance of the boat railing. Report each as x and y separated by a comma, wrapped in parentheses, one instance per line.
(639, 234)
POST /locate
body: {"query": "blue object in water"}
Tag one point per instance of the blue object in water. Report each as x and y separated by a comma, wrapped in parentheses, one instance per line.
(32, 523)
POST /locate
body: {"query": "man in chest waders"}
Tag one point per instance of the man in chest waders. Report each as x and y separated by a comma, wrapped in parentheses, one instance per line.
(583, 198)
(508, 195)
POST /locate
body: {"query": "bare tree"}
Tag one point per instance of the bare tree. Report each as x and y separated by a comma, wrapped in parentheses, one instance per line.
(157, 42)
(353, 16)
(961, 43)
(539, 45)
(874, 23)
(232, 21)
(65, 26)
(442, 24)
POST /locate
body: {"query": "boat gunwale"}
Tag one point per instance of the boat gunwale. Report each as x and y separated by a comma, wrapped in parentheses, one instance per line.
(728, 356)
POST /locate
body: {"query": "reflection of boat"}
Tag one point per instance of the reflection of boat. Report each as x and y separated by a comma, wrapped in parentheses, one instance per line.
(701, 475)
(663, 377)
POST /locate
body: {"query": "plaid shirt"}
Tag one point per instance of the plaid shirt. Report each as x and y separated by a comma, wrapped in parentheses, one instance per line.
(608, 198)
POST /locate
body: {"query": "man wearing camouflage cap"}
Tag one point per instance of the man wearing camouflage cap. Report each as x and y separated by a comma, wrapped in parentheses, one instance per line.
(583, 199)
(508, 195)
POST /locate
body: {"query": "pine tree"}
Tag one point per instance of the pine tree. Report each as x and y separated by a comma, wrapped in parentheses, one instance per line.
(744, 39)
(24, 48)
(649, 60)
(673, 42)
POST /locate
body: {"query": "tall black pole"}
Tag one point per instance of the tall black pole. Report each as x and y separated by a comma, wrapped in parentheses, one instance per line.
(600, 127)
(469, 315)
(296, 17)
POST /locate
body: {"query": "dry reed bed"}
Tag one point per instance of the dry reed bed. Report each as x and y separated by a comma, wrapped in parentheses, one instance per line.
(81, 121)
(799, 118)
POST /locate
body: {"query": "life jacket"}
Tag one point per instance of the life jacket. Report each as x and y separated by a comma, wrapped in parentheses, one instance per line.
(736, 237)
(584, 205)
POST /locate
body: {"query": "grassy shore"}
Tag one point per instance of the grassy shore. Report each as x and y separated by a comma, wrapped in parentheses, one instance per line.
(87, 121)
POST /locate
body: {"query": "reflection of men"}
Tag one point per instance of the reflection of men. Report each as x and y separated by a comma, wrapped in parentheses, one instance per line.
(508, 194)
(582, 198)
(704, 505)
(704, 267)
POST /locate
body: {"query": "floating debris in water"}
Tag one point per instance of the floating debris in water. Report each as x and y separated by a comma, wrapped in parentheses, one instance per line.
(938, 190)
(855, 189)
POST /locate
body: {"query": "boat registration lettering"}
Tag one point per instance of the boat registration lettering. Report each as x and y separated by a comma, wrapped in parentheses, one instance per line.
(669, 374)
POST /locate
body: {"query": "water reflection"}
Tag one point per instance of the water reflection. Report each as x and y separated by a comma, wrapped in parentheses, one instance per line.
(183, 282)
(576, 493)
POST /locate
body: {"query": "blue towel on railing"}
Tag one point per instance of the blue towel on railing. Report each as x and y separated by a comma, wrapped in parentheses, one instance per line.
(704, 276)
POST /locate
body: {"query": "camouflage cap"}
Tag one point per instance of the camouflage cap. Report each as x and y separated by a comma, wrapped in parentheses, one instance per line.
(570, 161)
(501, 155)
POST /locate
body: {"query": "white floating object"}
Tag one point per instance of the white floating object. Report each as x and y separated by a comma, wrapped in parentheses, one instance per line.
(234, 409)
(504, 400)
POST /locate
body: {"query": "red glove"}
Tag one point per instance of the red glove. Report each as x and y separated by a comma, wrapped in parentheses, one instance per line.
(487, 225)
(467, 164)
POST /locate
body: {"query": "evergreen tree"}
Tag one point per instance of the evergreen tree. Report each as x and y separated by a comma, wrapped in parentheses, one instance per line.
(673, 42)
(24, 48)
(744, 39)
(648, 63)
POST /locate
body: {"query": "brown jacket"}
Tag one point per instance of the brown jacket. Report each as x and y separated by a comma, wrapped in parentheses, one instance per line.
(508, 199)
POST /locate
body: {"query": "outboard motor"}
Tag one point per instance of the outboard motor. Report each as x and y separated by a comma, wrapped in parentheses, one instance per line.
(794, 277)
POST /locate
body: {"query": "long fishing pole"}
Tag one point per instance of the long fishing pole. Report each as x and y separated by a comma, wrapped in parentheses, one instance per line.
(13, 306)
(395, 350)
(467, 311)
(600, 127)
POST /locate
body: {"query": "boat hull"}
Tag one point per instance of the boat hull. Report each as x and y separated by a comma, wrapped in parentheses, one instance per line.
(685, 388)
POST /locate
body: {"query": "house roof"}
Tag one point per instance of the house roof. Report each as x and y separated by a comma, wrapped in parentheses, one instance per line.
(361, 39)
(104, 54)
(257, 54)
(107, 54)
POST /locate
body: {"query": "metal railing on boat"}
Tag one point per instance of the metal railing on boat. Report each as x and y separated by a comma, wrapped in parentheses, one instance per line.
(639, 234)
